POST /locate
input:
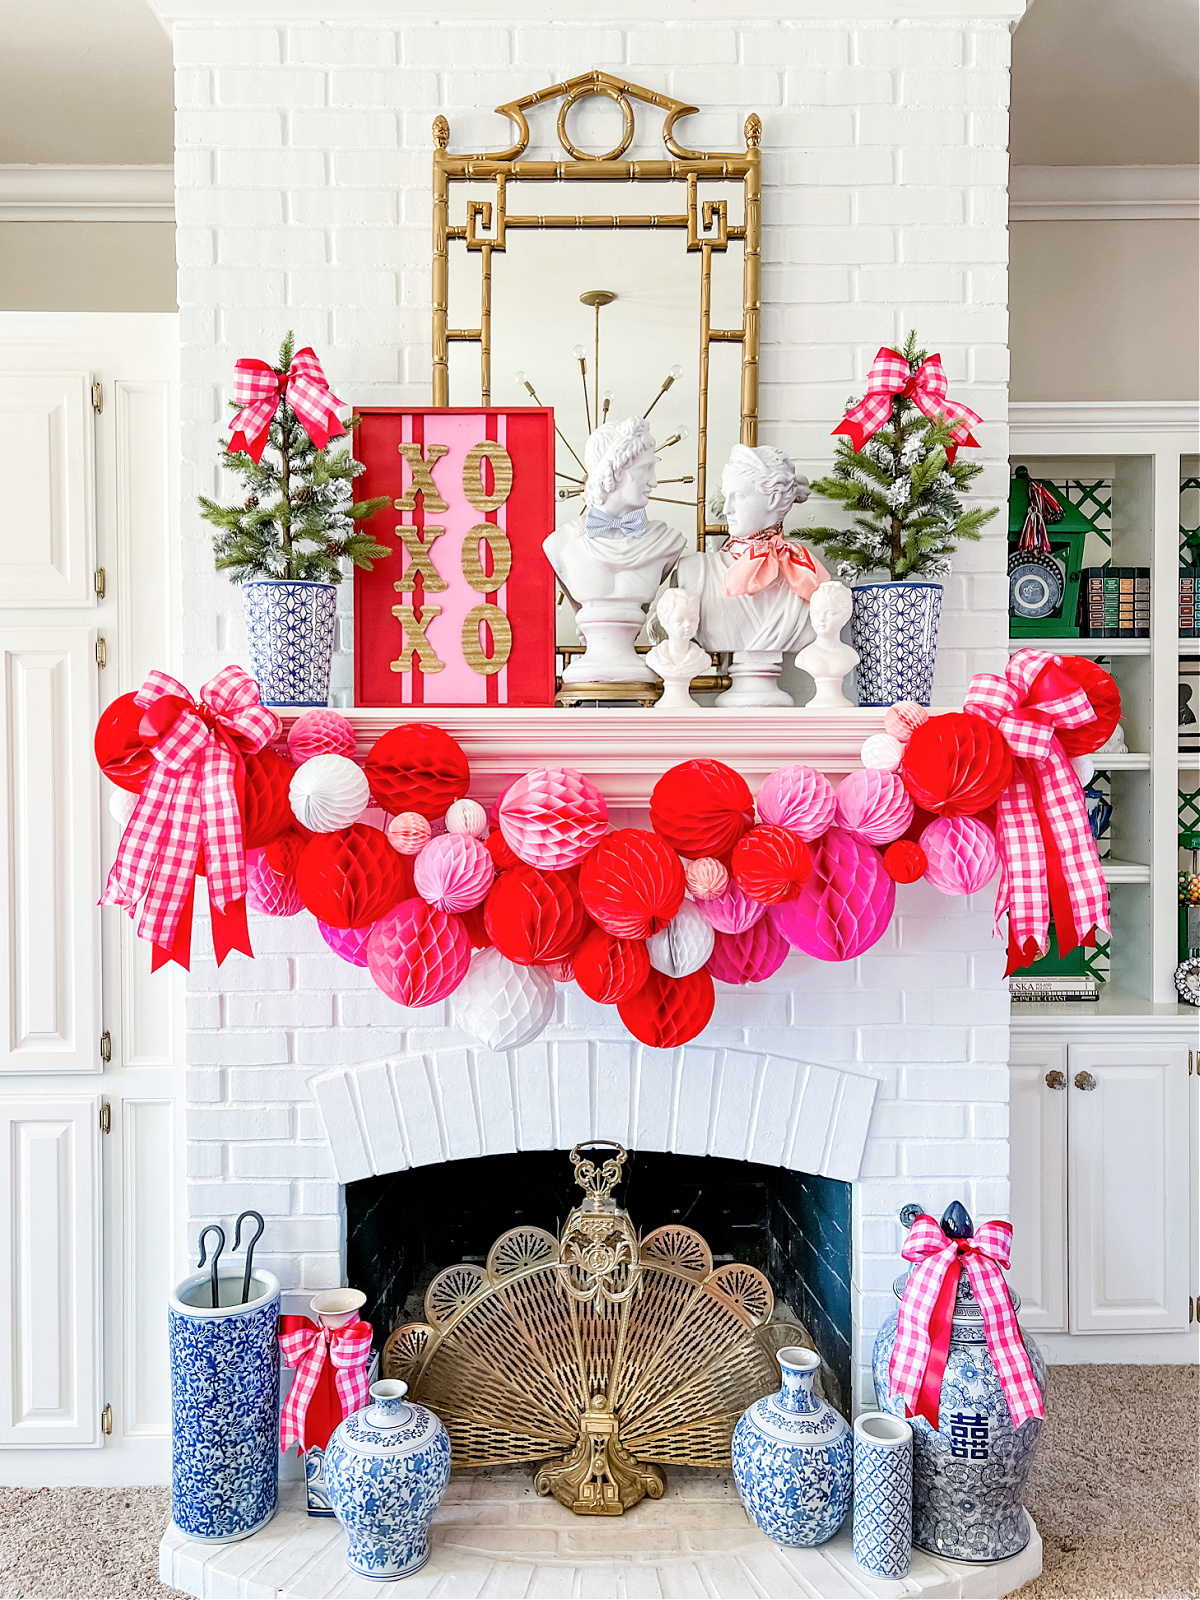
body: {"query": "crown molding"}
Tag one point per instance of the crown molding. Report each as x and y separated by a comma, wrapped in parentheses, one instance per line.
(1090, 418)
(1104, 194)
(400, 13)
(44, 193)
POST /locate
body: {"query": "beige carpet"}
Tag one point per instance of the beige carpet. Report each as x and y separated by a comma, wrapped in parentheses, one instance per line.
(1113, 1490)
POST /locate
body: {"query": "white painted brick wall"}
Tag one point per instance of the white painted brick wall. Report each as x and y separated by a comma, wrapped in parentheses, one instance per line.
(303, 201)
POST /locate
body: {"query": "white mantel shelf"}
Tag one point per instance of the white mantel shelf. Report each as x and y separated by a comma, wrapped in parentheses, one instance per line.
(624, 753)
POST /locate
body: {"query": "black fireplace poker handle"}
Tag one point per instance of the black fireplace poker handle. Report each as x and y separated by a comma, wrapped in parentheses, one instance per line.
(237, 1240)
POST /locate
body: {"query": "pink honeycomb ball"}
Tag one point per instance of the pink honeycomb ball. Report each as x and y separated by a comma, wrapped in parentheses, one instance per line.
(320, 733)
(409, 833)
(707, 878)
(903, 719)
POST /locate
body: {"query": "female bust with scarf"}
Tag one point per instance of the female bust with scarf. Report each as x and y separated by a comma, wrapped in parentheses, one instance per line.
(611, 561)
(754, 592)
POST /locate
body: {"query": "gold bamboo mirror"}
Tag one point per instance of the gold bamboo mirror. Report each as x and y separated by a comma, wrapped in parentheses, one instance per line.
(610, 278)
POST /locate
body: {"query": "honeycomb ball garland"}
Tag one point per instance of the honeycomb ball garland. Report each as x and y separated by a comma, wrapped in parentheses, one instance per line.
(534, 917)
(352, 878)
(418, 955)
(667, 1012)
(551, 817)
(608, 969)
(501, 1004)
(771, 864)
(328, 793)
(409, 833)
(961, 854)
(903, 719)
(350, 944)
(734, 911)
(701, 808)
(468, 817)
(417, 767)
(956, 764)
(751, 956)
(845, 906)
(904, 861)
(632, 883)
(706, 878)
(684, 945)
(874, 805)
(320, 733)
(881, 750)
(799, 798)
(453, 872)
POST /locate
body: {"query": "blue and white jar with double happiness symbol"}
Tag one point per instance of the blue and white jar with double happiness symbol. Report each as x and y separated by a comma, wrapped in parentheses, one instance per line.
(386, 1470)
(224, 1406)
(792, 1457)
(883, 1480)
(290, 626)
(969, 1474)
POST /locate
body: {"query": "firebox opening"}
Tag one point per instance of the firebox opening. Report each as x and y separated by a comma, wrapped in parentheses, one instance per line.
(403, 1227)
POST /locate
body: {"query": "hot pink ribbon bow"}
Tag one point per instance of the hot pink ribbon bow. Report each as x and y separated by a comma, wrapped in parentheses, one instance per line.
(258, 390)
(1048, 857)
(890, 377)
(305, 1349)
(762, 558)
(191, 800)
(927, 1306)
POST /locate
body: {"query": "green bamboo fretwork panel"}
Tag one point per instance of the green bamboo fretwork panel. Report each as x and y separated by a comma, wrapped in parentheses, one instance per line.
(1189, 810)
(1092, 498)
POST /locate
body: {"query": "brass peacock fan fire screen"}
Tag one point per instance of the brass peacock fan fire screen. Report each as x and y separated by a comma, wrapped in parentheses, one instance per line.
(598, 1356)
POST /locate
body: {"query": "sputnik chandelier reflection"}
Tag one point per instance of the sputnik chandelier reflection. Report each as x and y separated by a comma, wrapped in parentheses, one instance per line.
(596, 408)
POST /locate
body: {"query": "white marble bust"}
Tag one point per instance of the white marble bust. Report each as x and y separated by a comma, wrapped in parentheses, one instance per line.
(754, 592)
(827, 660)
(611, 561)
(677, 660)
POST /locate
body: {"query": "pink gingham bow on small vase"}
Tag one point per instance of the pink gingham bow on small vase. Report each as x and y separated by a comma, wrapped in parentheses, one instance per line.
(922, 1345)
(306, 1347)
(890, 379)
(191, 804)
(258, 390)
(1049, 863)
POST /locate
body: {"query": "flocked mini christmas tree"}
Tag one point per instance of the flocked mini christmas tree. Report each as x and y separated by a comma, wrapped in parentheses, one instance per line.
(299, 519)
(902, 486)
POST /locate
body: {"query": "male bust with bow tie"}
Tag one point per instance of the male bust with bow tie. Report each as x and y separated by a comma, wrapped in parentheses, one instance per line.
(611, 561)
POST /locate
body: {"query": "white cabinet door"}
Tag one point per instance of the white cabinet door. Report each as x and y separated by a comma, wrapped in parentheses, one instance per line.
(49, 845)
(1037, 1142)
(1128, 1188)
(50, 1272)
(47, 465)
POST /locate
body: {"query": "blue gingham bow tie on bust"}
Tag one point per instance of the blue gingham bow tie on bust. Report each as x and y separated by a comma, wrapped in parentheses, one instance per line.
(598, 524)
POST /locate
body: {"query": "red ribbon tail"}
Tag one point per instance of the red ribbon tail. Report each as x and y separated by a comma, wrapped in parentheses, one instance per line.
(180, 948)
(854, 431)
(230, 930)
(930, 1398)
(253, 449)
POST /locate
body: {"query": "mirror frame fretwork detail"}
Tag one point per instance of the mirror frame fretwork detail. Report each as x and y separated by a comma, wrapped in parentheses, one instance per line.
(705, 224)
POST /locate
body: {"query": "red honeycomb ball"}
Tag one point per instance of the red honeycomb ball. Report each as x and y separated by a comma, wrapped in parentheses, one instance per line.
(500, 851)
(956, 764)
(122, 753)
(771, 864)
(632, 884)
(609, 969)
(904, 861)
(534, 917)
(702, 808)
(417, 767)
(666, 1012)
(267, 808)
(1101, 690)
(351, 878)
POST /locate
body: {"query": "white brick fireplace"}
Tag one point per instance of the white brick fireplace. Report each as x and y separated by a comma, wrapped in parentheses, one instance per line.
(303, 201)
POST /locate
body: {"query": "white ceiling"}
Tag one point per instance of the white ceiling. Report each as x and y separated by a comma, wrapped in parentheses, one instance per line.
(1095, 82)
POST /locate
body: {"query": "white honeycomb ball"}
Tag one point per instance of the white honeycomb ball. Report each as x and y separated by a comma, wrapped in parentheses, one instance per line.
(684, 945)
(121, 806)
(467, 816)
(329, 792)
(501, 1004)
(882, 751)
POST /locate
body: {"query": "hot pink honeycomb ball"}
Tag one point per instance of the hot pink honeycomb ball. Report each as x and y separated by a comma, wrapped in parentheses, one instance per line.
(320, 733)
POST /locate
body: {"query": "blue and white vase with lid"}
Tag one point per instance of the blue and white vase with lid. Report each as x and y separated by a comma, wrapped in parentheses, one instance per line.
(792, 1458)
(968, 1474)
(386, 1470)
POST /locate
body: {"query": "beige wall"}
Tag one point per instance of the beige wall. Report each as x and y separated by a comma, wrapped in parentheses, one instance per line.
(87, 266)
(1105, 311)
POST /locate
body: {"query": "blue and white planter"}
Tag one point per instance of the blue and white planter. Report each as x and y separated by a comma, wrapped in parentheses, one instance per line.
(883, 1494)
(386, 1470)
(894, 628)
(967, 1477)
(792, 1458)
(290, 628)
(224, 1407)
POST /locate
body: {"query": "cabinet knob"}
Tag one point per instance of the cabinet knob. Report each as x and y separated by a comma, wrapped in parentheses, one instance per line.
(1084, 1080)
(1056, 1079)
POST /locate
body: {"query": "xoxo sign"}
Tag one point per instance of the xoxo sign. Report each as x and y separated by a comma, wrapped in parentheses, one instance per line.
(464, 613)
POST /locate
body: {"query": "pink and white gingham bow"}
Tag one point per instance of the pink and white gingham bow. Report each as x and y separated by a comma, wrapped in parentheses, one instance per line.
(763, 557)
(891, 377)
(923, 1334)
(258, 390)
(1048, 857)
(191, 801)
(348, 1349)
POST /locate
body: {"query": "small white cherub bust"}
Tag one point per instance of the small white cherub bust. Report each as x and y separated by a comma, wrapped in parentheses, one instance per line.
(677, 660)
(827, 660)
(611, 560)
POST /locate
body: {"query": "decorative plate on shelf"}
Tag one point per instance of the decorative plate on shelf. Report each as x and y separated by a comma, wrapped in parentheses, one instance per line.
(1035, 584)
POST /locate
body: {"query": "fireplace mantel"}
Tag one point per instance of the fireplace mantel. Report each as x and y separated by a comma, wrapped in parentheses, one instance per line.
(626, 752)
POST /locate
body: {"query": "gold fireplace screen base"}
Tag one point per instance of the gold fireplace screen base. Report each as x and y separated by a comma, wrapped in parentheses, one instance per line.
(596, 1357)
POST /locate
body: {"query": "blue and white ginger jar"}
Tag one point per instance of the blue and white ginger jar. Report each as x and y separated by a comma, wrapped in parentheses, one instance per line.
(968, 1476)
(386, 1470)
(290, 627)
(792, 1457)
(224, 1406)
